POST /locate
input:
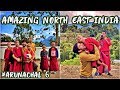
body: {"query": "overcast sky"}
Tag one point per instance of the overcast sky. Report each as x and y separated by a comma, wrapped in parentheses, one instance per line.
(89, 13)
(92, 13)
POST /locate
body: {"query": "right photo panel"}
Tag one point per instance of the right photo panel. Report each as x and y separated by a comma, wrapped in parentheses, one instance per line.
(90, 50)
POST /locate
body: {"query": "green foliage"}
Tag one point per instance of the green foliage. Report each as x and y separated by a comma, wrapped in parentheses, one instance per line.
(22, 31)
(116, 37)
(115, 49)
(38, 44)
(69, 39)
(75, 61)
(98, 36)
(6, 39)
(66, 51)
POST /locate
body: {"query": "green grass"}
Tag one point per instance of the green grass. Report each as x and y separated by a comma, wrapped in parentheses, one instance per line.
(75, 61)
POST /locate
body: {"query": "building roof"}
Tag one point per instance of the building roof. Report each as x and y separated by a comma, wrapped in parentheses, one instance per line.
(5, 43)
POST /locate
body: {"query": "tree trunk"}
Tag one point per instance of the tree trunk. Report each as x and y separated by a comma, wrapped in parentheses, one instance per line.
(56, 34)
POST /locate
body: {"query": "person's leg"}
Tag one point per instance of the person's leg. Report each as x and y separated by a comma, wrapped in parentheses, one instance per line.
(108, 62)
(109, 65)
(98, 63)
(54, 65)
(105, 66)
(97, 72)
(35, 66)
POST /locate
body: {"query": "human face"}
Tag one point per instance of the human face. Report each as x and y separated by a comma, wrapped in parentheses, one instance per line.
(53, 44)
(17, 43)
(24, 44)
(104, 34)
(79, 38)
(9, 44)
(30, 39)
(81, 46)
(43, 48)
(28, 46)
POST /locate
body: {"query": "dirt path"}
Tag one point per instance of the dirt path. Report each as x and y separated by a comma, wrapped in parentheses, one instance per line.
(52, 76)
(73, 71)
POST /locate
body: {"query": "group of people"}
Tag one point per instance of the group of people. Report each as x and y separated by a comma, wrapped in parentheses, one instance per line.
(93, 54)
(49, 59)
(22, 58)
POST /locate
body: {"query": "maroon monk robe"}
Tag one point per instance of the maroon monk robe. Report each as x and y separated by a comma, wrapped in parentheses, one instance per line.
(17, 51)
(44, 60)
(7, 54)
(105, 54)
(89, 43)
(11, 67)
(53, 54)
(28, 66)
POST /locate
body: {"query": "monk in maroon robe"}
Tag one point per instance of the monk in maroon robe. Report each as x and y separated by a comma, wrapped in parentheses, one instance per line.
(53, 55)
(105, 43)
(89, 43)
(17, 55)
(44, 66)
(31, 57)
(7, 57)
(33, 47)
(28, 57)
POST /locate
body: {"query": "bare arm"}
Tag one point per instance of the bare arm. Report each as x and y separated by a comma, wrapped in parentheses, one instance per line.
(5, 54)
(17, 59)
(90, 57)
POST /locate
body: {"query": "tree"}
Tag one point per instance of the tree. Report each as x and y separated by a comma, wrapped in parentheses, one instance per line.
(115, 49)
(56, 34)
(21, 28)
(5, 38)
(64, 28)
(56, 30)
(22, 31)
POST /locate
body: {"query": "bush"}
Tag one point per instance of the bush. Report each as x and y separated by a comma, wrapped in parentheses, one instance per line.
(115, 49)
(75, 61)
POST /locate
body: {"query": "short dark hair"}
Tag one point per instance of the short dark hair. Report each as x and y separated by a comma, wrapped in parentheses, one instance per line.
(8, 41)
(24, 40)
(104, 31)
(43, 46)
(53, 41)
(82, 43)
(92, 35)
(16, 40)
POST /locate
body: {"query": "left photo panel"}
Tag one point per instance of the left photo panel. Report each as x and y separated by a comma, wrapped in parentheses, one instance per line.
(29, 45)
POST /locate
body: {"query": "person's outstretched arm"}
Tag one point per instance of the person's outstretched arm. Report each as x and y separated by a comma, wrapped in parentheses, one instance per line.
(90, 57)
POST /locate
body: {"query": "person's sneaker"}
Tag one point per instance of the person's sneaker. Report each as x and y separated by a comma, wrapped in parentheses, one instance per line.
(97, 74)
(109, 74)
